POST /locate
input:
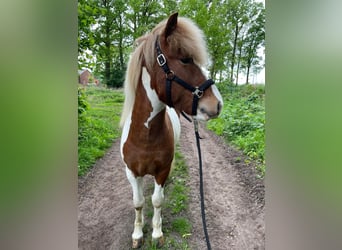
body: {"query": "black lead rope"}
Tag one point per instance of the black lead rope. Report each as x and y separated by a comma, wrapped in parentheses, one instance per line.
(201, 185)
(197, 93)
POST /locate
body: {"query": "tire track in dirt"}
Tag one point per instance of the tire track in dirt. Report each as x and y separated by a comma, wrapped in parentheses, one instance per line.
(234, 199)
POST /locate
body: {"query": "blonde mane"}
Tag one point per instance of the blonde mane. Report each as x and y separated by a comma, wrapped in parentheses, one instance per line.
(187, 38)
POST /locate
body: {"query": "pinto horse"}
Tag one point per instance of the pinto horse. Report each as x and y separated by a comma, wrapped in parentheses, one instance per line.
(164, 78)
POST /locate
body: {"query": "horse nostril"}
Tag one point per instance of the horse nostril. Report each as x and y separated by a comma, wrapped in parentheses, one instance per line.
(202, 110)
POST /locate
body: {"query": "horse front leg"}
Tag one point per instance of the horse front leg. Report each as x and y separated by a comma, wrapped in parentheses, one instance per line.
(138, 201)
(157, 200)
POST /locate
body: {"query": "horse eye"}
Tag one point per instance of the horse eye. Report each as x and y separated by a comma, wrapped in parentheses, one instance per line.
(187, 60)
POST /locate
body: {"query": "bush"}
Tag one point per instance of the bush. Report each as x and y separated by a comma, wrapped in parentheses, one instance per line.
(98, 123)
(83, 104)
(242, 121)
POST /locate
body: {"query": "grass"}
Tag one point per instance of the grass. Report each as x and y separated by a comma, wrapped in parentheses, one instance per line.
(98, 126)
(242, 121)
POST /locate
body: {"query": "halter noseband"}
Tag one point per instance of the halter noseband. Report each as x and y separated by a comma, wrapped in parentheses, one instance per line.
(197, 92)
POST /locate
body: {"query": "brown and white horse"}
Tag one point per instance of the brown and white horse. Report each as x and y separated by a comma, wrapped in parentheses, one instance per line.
(164, 71)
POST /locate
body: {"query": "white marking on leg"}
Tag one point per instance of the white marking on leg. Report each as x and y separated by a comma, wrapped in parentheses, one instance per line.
(138, 201)
(157, 105)
(157, 200)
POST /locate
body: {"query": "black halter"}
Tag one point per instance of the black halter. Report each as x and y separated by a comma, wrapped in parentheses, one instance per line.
(170, 76)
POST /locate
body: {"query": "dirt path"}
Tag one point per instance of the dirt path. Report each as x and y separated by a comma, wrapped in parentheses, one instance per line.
(234, 199)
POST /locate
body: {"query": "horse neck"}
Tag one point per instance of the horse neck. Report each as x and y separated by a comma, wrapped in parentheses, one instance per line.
(149, 111)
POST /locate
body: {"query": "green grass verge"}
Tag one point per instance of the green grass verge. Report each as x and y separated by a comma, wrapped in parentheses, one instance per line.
(98, 123)
(242, 121)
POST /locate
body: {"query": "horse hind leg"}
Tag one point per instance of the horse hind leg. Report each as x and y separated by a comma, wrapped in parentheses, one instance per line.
(138, 201)
(157, 200)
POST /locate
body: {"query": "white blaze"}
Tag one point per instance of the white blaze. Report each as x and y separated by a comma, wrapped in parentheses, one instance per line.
(217, 93)
(156, 104)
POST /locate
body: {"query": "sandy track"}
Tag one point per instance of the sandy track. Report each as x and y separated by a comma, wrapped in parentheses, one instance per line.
(234, 199)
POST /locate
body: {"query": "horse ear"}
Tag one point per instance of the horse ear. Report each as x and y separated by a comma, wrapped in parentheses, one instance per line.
(171, 24)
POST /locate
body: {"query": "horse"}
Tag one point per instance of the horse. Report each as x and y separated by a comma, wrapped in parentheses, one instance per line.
(165, 77)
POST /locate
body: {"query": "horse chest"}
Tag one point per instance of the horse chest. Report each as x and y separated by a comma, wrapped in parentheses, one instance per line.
(148, 154)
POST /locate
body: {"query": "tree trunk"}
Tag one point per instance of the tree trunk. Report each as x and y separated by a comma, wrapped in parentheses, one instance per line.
(234, 51)
(238, 66)
(237, 73)
(239, 59)
(107, 56)
(248, 67)
(107, 73)
(121, 52)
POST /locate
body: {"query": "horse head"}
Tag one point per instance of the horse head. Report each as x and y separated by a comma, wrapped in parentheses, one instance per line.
(180, 55)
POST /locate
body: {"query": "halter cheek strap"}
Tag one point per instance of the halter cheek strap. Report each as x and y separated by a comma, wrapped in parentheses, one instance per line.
(197, 92)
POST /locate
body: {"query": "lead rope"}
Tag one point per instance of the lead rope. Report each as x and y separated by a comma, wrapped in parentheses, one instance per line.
(201, 184)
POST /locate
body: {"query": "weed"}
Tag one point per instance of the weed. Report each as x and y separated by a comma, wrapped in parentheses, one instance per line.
(181, 225)
(242, 121)
(98, 123)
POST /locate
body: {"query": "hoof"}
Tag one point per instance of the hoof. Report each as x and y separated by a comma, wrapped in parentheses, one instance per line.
(159, 242)
(137, 243)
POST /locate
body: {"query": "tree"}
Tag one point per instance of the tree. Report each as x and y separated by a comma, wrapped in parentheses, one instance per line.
(142, 16)
(86, 18)
(211, 17)
(234, 30)
(255, 38)
(238, 18)
(240, 44)
(109, 46)
(217, 32)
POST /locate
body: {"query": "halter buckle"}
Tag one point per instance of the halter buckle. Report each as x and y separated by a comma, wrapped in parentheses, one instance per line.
(161, 60)
(170, 75)
(198, 92)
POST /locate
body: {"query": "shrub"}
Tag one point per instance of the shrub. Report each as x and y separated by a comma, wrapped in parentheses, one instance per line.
(98, 123)
(242, 121)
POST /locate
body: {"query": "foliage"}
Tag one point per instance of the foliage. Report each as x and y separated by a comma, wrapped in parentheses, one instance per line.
(178, 194)
(83, 104)
(228, 26)
(255, 37)
(86, 18)
(99, 114)
(242, 121)
(234, 31)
